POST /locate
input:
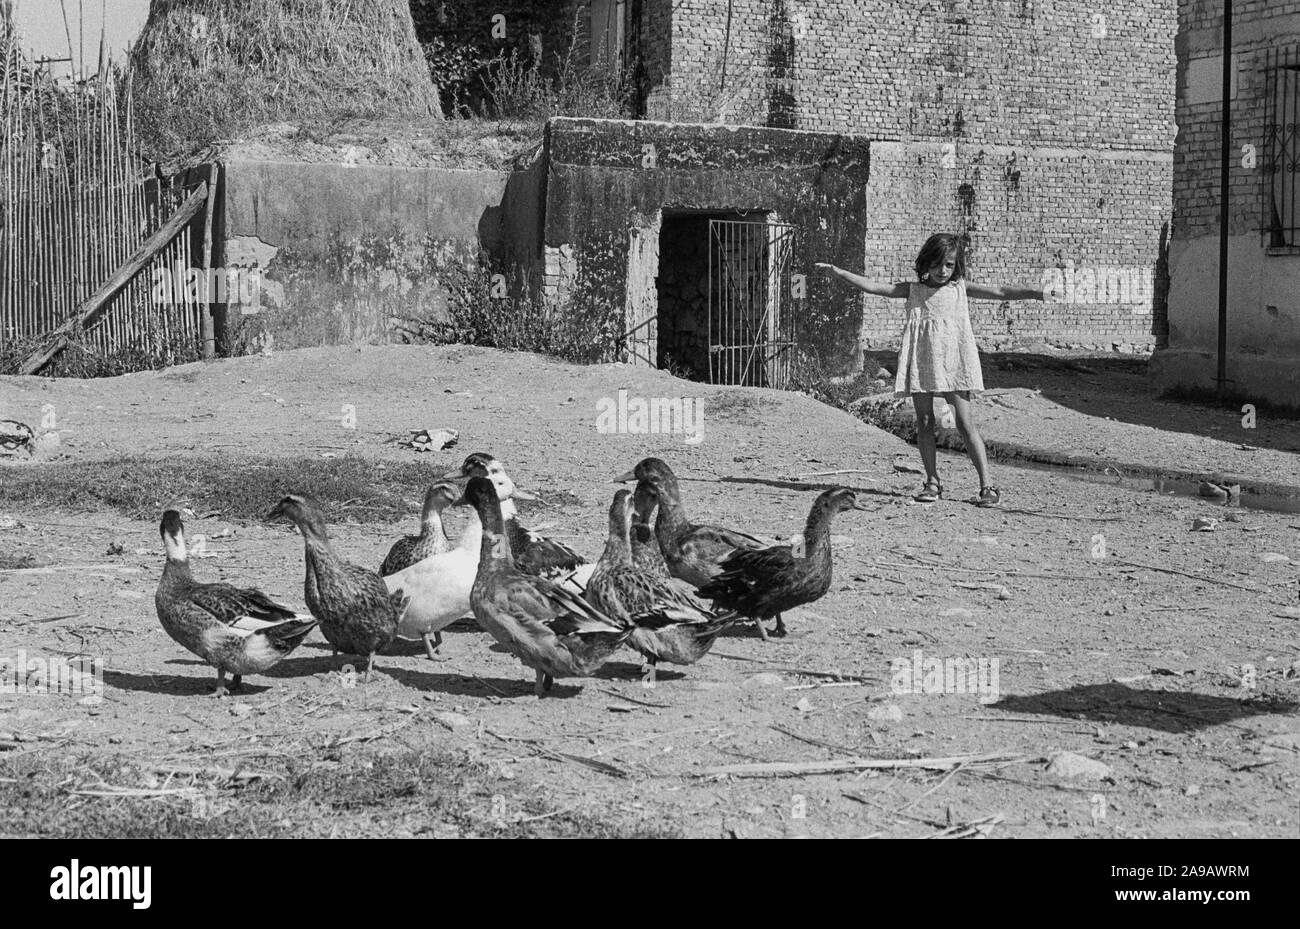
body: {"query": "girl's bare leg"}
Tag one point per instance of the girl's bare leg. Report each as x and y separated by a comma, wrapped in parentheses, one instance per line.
(924, 404)
(961, 408)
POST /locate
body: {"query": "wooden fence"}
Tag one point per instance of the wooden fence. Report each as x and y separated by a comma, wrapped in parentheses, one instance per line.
(76, 202)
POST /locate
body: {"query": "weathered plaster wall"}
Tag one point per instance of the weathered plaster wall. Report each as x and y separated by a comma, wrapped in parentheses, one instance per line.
(346, 251)
(1263, 332)
(606, 178)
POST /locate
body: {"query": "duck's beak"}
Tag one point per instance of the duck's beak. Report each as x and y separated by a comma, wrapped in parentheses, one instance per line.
(624, 478)
(523, 495)
(456, 475)
(274, 513)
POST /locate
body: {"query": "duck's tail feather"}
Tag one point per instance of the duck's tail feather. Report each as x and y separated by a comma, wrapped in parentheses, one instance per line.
(287, 636)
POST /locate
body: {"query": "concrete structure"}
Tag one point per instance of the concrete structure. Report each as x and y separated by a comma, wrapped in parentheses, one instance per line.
(359, 253)
(627, 211)
(1263, 331)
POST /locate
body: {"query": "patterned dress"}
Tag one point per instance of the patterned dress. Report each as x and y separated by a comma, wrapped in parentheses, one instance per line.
(938, 354)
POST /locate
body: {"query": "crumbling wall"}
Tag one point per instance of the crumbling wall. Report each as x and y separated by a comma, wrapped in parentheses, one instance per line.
(347, 253)
(606, 177)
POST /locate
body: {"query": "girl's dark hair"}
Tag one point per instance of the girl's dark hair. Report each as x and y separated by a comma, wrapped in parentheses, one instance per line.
(939, 247)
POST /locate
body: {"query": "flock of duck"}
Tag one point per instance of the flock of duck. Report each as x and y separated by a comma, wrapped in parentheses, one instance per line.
(664, 586)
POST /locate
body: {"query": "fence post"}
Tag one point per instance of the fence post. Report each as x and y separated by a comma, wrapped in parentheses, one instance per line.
(205, 314)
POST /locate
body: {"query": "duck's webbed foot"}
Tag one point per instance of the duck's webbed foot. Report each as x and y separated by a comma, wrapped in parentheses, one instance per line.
(779, 631)
(432, 646)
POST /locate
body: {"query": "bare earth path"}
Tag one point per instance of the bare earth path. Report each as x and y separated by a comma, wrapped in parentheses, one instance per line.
(1176, 683)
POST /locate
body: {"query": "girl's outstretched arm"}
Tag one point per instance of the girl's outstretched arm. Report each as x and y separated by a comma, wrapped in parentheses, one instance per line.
(871, 287)
(1004, 293)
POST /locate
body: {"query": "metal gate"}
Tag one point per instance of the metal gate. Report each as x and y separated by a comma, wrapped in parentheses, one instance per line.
(751, 326)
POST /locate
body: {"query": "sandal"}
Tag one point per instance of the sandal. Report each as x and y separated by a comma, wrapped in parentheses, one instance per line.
(988, 496)
(930, 493)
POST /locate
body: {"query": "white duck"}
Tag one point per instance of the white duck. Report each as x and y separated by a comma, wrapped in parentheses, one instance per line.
(438, 588)
(533, 553)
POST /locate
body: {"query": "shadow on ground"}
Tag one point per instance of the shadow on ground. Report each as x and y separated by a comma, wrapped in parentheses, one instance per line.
(1163, 710)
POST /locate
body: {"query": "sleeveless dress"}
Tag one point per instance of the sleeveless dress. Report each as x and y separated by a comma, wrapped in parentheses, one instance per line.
(938, 354)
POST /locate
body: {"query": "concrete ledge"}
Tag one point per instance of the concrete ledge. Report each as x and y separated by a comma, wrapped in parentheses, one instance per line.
(1269, 378)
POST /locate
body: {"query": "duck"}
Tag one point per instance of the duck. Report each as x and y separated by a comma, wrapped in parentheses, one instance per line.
(764, 583)
(547, 627)
(432, 538)
(438, 587)
(534, 554)
(668, 623)
(646, 553)
(358, 614)
(236, 630)
(694, 552)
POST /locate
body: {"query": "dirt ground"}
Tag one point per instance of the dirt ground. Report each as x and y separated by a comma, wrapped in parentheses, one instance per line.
(1169, 659)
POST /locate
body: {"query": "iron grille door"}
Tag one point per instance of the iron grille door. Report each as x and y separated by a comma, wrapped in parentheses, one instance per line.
(751, 326)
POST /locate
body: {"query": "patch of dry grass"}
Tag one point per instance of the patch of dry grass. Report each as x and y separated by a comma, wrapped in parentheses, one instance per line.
(438, 793)
(351, 489)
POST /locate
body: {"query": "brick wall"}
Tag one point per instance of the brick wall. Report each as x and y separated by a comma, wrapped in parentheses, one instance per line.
(1017, 72)
(1058, 115)
(1027, 211)
(1258, 28)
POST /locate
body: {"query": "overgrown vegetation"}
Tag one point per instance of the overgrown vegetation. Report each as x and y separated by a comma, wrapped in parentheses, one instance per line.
(517, 88)
(811, 374)
(532, 63)
(82, 358)
(582, 326)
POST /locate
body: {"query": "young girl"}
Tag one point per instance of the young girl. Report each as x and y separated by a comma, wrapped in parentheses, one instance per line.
(938, 355)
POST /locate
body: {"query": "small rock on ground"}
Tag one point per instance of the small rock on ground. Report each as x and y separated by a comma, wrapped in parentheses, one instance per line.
(1071, 765)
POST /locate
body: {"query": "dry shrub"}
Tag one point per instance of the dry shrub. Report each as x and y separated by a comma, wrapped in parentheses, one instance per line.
(583, 327)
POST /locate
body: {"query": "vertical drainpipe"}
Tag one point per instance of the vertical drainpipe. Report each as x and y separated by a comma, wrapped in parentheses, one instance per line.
(1225, 155)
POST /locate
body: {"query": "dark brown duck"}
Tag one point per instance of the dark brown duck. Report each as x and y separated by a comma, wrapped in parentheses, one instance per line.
(357, 614)
(767, 582)
(547, 627)
(669, 624)
(694, 551)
